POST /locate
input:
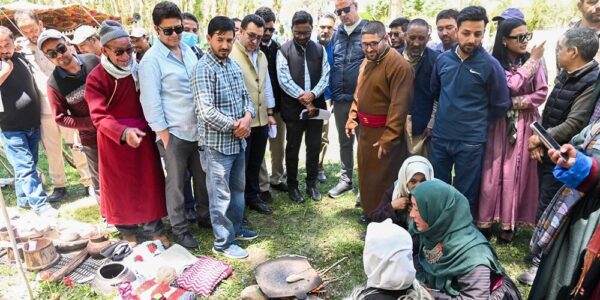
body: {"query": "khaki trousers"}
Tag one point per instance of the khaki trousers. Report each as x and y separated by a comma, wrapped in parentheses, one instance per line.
(277, 148)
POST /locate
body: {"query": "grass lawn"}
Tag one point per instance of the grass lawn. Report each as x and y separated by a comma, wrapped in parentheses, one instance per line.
(323, 231)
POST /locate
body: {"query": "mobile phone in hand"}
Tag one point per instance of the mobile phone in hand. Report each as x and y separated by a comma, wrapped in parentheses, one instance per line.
(547, 139)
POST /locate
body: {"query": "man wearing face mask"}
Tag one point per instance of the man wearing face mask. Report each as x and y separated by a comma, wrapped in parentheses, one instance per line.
(169, 107)
(131, 175)
(380, 106)
(190, 33)
(303, 72)
(419, 122)
(253, 63)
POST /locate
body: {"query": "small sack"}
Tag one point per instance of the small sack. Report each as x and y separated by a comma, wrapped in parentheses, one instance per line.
(203, 277)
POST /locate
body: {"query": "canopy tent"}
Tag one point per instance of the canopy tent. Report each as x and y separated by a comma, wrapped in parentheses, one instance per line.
(62, 18)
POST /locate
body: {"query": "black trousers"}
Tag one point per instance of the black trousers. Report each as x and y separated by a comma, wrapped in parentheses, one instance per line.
(255, 154)
(312, 130)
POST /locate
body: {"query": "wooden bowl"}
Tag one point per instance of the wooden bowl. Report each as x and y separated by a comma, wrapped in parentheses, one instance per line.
(4, 236)
(43, 256)
(10, 253)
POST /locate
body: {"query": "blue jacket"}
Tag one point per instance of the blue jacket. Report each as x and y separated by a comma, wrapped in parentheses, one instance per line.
(469, 93)
(422, 103)
(347, 57)
(329, 48)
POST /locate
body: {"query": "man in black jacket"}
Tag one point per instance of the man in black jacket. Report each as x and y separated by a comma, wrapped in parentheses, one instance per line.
(347, 57)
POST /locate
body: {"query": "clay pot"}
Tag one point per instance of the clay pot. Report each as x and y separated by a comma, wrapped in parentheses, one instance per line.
(43, 256)
(4, 236)
(96, 244)
(109, 276)
(20, 243)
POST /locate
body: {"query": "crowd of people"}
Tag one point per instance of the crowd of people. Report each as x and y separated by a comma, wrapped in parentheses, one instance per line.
(445, 148)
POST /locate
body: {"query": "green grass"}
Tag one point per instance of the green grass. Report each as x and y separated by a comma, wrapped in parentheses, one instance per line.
(323, 231)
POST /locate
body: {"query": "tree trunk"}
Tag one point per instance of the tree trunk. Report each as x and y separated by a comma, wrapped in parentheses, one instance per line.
(395, 9)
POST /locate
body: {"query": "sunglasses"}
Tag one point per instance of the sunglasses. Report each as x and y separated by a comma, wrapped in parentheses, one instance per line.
(271, 30)
(60, 49)
(345, 10)
(119, 52)
(526, 37)
(373, 45)
(169, 31)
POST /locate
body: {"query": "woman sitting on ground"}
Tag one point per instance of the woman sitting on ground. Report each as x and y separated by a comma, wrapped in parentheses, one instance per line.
(457, 260)
(394, 203)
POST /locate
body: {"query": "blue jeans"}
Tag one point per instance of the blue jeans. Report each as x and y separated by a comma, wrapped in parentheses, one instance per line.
(467, 160)
(21, 148)
(225, 182)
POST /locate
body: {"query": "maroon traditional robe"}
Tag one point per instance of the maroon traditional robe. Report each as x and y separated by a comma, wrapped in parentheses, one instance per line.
(131, 179)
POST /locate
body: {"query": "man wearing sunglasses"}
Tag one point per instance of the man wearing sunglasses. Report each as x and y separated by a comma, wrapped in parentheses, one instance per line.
(20, 125)
(253, 63)
(52, 135)
(397, 32)
(169, 107)
(131, 175)
(347, 57)
(383, 96)
(303, 72)
(65, 94)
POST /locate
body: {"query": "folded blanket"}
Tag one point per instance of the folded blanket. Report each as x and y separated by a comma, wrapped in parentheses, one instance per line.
(203, 277)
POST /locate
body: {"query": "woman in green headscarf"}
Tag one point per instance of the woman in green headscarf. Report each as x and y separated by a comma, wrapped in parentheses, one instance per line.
(457, 260)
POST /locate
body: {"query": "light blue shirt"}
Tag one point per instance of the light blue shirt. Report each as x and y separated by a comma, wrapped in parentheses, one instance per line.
(290, 87)
(166, 93)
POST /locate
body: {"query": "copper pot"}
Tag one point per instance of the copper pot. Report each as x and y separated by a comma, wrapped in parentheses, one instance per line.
(96, 244)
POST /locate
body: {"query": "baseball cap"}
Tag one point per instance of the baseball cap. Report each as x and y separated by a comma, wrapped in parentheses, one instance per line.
(137, 32)
(510, 13)
(47, 35)
(82, 33)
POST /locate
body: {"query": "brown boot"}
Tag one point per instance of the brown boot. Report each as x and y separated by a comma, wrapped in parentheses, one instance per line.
(163, 239)
(132, 239)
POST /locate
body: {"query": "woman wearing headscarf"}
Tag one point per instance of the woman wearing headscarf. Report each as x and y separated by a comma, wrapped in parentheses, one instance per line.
(457, 260)
(509, 182)
(394, 203)
(571, 224)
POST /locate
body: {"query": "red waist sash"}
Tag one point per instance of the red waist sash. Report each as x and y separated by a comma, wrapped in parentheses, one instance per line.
(373, 121)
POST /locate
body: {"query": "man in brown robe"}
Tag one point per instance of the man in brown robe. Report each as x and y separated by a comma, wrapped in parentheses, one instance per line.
(381, 102)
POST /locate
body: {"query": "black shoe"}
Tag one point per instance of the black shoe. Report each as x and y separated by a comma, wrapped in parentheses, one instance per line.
(363, 219)
(295, 195)
(204, 223)
(341, 188)
(357, 203)
(190, 215)
(487, 232)
(321, 177)
(281, 187)
(260, 207)
(313, 192)
(528, 258)
(187, 240)
(266, 196)
(57, 194)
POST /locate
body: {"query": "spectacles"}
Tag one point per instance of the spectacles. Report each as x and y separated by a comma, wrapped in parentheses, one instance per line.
(373, 45)
(302, 33)
(521, 38)
(169, 31)
(271, 30)
(253, 37)
(60, 49)
(395, 33)
(345, 10)
(119, 52)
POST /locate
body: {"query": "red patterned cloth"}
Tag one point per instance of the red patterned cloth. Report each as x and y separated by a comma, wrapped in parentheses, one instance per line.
(203, 277)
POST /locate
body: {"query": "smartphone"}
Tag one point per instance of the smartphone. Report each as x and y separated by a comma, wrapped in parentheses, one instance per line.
(546, 138)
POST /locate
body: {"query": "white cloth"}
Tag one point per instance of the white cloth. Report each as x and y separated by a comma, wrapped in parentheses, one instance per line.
(350, 29)
(410, 167)
(119, 72)
(387, 257)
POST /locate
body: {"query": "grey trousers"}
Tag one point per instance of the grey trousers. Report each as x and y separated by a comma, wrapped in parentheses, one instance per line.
(150, 229)
(340, 112)
(181, 156)
(91, 154)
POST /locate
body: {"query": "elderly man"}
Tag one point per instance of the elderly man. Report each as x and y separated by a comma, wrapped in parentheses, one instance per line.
(87, 40)
(127, 155)
(20, 124)
(140, 42)
(254, 67)
(380, 106)
(51, 133)
(225, 111)
(347, 57)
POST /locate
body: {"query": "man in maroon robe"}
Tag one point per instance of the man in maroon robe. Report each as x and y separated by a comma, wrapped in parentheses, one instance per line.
(131, 175)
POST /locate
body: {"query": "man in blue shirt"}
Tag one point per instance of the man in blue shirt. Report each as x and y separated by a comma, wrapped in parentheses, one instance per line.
(169, 108)
(471, 88)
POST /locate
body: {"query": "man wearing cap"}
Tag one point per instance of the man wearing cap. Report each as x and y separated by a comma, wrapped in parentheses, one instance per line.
(170, 110)
(65, 93)
(51, 133)
(20, 124)
(140, 42)
(131, 175)
(87, 40)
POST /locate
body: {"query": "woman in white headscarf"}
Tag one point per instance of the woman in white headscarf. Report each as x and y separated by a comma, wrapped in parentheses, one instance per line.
(394, 203)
